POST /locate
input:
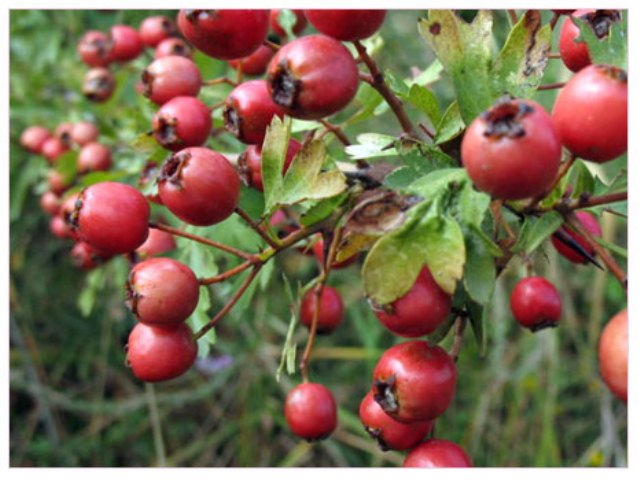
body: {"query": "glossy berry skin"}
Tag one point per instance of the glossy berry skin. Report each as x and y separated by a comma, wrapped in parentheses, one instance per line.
(155, 29)
(437, 453)
(156, 353)
(57, 183)
(420, 311)
(331, 310)
(94, 157)
(310, 411)
(389, 433)
(346, 25)
(112, 217)
(173, 47)
(249, 110)
(52, 149)
(85, 257)
(225, 34)
(50, 203)
(182, 122)
(575, 55)
(254, 64)
(59, 228)
(33, 138)
(84, 132)
(590, 113)
(199, 186)
(536, 303)
(274, 22)
(512, 151)
(162, 291)
(250, 163)
(98, 85)
(613, 354)
(127, 44)
(171, 77)
(156, 243)
(591, 225)
(318, 251)
(312, 77)
(414, 381)
(95, 49)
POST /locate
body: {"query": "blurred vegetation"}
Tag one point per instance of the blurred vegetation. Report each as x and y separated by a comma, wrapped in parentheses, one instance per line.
(532, 400)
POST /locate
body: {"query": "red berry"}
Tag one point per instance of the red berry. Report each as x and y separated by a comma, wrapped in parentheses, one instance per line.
(536, 304)
(50, 203)
(414, 381)
(86, 257)
(52, 148)
(94, 157)
(331, 310)
(563, 12)
(298, 26)
(590, 113)
(575, 55)
(613, 354)
(154, 30)
(199, 186)
(249, 110)
(126, 43)
(591, 225)
(157, 242)
(420, 311)
(313, 77)
(112, 217)
(63, 132)
(512, 150)
(389, 433)
(33, 138)
(318, 251)
(170, 77)
(67, 208)
(59, 228)
(182, 122)
(57, 182)
(84, 132)
(156, 354)
(225, 34)
(173, 47)
(162, 291)
(250, 163)
(311, 411)
(347, 25)
(98, 85)
(95, 49)
(437, 453)
(254, 64)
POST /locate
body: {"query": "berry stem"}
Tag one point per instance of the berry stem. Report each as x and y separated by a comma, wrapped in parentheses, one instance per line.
(377, 82)
(564, 169)
(272, 45)
(553, 55)
(513, 16)
(218, 81)
(458, 332)
(257, 228)
(227, 274)
(551, 86)
(554, 20)
(336, 130)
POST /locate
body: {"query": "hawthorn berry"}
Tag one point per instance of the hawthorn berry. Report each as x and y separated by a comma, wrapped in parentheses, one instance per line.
(591, 225)
(437, 453)
(590, 113)
(169, 77)
(199, 186)
(512, 151)
(52, 149)
(157, 353)
(575, 55)
(50, 202)
(127, 44)
(225, 34)
(94, 157)
(254, 64)
(85, 257)
(249, 110)
(155, 29)
(173, 47)
(57, 182)
(84, 132)
(59, 228)
(274, 22)
(98, 85)
(613, 354)
(33, 138)
(156, 243)
(250, 163)
(414, 381)
(536, 303)
(331, 310)
(67, 208)
(182, 122)
(310, 411)
(312, 77)
(418, 312)
(346, 25)
(389, 433)
(95, 49)
(112, 217)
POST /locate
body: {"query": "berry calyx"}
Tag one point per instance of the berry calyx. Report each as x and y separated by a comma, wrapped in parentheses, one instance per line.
(94, 157)
(310, 411)
(95, 49)
(169, 77)
(155, 29)
(613, 354)
(437, 453)
(250, 163)
(98, 85)
(182, 122)
(536, 303)
(331, 310)
(591, 225)
(347, 25)
(173, 47)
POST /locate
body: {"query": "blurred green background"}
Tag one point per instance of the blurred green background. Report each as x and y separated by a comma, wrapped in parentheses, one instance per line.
(531, 400)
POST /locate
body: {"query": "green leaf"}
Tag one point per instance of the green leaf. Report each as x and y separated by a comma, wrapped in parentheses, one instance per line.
(97, 177)
(274, 150)
(537, 231)
(445, 251)
(322, 209)
(473, 205)
(145, 143)
(397, 84)
(287, 19)
(199, 318)
(67, 166)
(430, 75)
(478, 319)
(94, 283)
(480, 269)
(451, 125)
(400, 178)
(369, 99)
(433, 184)
(372, 145)
(523, 59)
(423, 99)
(611, 50)
(584, 182)
(288, 355)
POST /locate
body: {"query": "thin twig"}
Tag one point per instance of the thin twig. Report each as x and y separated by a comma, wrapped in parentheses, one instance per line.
(552, 86)
(427, 131)
(218, 81)
(553, 55)
(554, 20)
(513, 16)
(585, 202)
(256, 228)
(226, 275)
(337, 131)
(272, 45)
(458, 331)
(564, 169)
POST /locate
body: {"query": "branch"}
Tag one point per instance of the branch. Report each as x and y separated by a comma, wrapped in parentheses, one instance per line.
(336, 130)
(257, 228)
(218, 81)
(226, 275)
(551, 86)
